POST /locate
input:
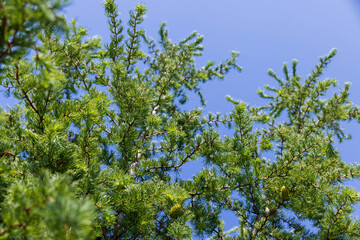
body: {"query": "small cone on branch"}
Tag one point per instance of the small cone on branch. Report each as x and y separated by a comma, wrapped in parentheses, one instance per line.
(284, 194)
(175, 211)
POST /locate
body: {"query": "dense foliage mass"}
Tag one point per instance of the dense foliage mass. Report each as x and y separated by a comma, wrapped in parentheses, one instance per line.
(94, 145)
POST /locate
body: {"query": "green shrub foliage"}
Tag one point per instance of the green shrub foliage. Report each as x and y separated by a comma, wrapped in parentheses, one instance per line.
(96, 142)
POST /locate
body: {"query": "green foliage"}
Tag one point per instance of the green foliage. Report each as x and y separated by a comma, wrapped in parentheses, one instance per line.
(44, 207)
(95, 144)
(21, 21)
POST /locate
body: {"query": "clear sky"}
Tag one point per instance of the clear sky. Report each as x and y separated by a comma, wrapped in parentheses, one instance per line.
(267, 33)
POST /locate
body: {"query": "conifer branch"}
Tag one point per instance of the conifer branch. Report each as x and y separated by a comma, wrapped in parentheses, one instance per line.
(336, 217)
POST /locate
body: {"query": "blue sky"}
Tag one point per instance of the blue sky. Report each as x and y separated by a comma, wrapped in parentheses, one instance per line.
(266, 33)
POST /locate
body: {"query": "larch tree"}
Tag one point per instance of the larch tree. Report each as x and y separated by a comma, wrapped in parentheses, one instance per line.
(94, 145)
